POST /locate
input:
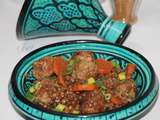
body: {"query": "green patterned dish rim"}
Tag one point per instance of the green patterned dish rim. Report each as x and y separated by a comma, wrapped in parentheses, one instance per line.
(142, 104)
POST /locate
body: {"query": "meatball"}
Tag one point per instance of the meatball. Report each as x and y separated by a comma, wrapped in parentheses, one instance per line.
(44, 93)
(84, 67)
(71, 100)
(110, 83)
(126, 91)
(111, 80)
(50, 94)
(43, 67)
(92, 102)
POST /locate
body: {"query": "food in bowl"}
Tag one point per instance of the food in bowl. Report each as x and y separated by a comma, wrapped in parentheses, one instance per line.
(147, 85)
(81, 84)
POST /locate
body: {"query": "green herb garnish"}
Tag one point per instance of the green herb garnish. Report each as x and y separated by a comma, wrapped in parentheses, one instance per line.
(115, 64)
(100, 84)
(30, 96)
(70, 67)
(60, 108)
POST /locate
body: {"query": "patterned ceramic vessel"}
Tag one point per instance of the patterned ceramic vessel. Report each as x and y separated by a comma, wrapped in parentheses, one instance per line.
(43, 18)
(146, 82)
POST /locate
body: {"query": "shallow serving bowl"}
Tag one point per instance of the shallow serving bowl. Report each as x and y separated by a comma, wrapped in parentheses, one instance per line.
(146, 82)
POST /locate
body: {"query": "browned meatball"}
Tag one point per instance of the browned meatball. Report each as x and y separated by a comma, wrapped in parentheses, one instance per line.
(84, 67)
(71, 100)
(43, 67)
(110, 83)
(126, 91)
(51, 93)
(111, 80)
(44, 93)
(92, 102)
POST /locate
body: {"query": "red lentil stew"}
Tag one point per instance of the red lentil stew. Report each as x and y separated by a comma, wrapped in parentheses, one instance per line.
(82, 84)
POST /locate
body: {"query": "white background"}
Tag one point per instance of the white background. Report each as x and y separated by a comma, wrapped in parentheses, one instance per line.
(144, 38)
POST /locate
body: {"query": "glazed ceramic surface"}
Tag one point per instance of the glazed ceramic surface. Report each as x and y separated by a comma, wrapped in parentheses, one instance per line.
(147, 84)
(42, 18)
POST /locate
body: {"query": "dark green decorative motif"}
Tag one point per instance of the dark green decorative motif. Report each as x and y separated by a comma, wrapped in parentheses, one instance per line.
(42, 18)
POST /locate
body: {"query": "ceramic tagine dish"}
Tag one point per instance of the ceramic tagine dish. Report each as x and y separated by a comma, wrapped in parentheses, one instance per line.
(31, 91)
(144, 76)
(43, 18)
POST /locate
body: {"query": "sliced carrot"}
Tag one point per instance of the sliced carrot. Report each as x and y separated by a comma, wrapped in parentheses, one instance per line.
(116, 101)
(104, 66)
(59, 65)
(80, 87)
(59, 68)
(130, 70)
(61, 80)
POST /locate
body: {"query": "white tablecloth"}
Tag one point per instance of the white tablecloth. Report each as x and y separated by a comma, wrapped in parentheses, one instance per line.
(144, 38)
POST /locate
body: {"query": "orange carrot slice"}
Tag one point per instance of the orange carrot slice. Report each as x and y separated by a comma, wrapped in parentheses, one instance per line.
(80, 87)
(130, 70)
(59, 68)
(61, 80)
(116, 101)
(104, 66)
(59, 65)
